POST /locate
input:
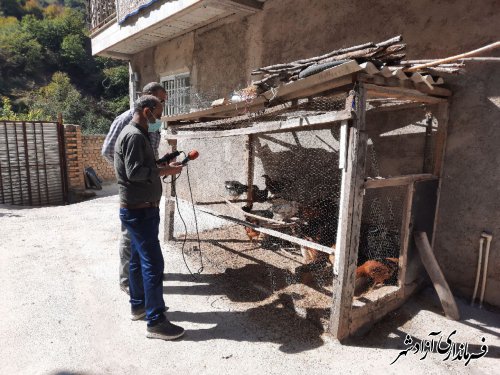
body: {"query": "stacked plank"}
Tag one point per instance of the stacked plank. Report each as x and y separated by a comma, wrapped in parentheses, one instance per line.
(387, 53)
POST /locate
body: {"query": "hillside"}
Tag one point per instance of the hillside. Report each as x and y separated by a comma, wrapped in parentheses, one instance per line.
(46, 66)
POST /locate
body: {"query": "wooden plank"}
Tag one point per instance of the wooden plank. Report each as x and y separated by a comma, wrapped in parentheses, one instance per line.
(397, 181)
(170, 193)
(406, 227)
(365, 316)
(350, 212)
(294, 90)
(300, 123)
(439, 153)
(250, 169)
(271, 232)
(343, 144)
(436, 275)
(401, 93)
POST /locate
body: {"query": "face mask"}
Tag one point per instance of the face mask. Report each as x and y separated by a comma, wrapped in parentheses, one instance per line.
(155, 125)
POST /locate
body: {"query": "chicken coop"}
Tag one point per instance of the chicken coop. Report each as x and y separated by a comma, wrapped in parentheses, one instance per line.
(340, 167)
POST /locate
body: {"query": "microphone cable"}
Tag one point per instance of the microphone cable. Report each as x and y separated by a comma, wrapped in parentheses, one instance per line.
(175, 178)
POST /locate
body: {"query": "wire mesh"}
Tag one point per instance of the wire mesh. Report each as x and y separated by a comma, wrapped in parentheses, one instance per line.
(296, 181)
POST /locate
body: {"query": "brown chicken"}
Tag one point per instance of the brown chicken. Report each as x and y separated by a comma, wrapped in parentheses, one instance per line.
(378, 270)
(313, 255)
(252, 233)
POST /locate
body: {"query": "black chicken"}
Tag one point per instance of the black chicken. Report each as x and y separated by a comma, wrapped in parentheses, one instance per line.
(275, 186)
(235, 188)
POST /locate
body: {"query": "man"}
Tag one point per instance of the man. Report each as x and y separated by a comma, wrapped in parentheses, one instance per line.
(140, 192)
(108, 150)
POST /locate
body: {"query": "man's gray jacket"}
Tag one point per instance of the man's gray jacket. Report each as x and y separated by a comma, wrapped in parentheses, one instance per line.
(135, 166)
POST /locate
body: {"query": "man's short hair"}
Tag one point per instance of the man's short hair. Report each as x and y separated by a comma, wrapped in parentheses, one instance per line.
(152, 88)
(146, 101)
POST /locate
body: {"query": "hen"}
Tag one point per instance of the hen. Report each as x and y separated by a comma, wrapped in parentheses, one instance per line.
(374, 272)
(275, 186)
(252, 233)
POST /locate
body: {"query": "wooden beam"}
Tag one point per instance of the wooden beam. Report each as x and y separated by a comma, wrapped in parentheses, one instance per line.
(349, 227)
(401, 93)
(271, 232)
(397, 181)
(301, 123)
(250, 169)
(431, 265)
(406, 227)
(439, 153)
(326, 80)
(406, 84)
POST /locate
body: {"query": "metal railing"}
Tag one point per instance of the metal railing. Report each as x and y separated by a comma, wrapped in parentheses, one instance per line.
(101, 13)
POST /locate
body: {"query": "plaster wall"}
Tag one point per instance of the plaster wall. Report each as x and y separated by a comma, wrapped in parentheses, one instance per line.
(221, 59)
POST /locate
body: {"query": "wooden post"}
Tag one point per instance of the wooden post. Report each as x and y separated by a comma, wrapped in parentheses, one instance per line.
(168, 234)
(350, 219)
(439, 151)
(406, 227)
(250, 169)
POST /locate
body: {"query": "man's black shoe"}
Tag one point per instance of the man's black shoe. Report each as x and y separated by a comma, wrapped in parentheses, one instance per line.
(137, 313)
(165, 331)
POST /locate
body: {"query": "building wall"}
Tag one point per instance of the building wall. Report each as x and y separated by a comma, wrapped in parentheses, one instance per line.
(91, 157)
(221, 59)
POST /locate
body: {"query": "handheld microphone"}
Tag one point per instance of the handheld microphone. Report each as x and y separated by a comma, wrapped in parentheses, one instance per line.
(193, 154)
(167, 157)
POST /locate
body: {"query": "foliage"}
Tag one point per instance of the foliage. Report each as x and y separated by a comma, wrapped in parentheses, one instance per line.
(41, 39)
(7, 113)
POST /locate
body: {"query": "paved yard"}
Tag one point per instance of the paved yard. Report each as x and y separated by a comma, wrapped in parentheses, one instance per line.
(63, 313)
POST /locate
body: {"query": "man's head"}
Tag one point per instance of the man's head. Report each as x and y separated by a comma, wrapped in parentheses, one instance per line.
(149, 107)
(156, 89)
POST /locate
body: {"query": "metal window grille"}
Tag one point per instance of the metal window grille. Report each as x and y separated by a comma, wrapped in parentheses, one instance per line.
(178, 89)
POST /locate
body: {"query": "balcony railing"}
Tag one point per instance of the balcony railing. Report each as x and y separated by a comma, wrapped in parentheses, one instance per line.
(101, 13)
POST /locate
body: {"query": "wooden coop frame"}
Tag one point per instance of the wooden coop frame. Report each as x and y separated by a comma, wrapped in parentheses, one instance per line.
(362, 83)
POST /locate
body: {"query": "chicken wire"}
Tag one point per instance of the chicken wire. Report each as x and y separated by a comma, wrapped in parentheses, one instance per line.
(306, 161)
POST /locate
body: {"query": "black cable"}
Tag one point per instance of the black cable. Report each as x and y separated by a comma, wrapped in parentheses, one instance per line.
(175, 178)
(195, 220)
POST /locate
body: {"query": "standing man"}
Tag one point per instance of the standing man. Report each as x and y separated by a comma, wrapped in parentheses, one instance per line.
(140, 192)
(108, 150)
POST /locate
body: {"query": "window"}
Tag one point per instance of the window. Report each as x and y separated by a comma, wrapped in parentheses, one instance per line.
(178, 89)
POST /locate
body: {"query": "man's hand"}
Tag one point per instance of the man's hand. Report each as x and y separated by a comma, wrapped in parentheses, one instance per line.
(171, 169)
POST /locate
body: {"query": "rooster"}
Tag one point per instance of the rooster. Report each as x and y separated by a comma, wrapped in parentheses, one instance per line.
(374, 272)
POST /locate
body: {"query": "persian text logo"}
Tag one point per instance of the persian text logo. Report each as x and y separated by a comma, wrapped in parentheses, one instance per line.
(454, 351)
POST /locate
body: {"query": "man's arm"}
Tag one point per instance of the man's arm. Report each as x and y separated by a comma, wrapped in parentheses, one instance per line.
(155, 138)
(108, 147)
(135, 169)
(133, 157)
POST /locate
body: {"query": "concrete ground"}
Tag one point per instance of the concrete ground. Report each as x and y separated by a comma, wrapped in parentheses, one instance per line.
(63, 313)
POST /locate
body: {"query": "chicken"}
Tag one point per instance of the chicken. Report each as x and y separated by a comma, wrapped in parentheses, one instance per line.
(313, 256)
(283, 209)
(378, 270)
(235, 188)
(274, 186)
(252, 233)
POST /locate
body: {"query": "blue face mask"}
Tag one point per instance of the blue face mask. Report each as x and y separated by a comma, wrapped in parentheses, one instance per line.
(154, 126)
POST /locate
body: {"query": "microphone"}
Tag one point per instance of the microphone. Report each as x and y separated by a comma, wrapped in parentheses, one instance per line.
(167, 157)
(193, 154)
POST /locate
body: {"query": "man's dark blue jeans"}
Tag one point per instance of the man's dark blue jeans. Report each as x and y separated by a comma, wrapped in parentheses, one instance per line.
(146, 262)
